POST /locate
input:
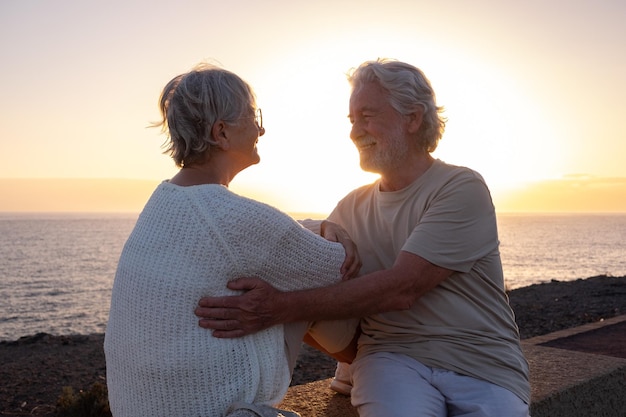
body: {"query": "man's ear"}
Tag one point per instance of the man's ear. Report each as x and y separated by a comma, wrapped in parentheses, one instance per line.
(221, 134)
(415, 120)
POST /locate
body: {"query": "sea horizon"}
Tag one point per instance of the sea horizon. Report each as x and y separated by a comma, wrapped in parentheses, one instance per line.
(294, 214)
(58, 267)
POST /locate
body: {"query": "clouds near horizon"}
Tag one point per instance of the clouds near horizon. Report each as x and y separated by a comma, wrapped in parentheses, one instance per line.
(572, 193)
(576, 193)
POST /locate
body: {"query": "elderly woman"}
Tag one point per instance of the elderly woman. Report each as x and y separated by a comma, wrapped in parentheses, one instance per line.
(192, 237)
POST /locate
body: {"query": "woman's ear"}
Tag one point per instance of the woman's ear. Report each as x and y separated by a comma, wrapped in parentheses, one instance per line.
(220, 133)
(415, 120)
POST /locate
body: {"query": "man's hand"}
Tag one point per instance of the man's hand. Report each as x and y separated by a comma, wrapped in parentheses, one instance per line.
(240, 315)
(335, 233)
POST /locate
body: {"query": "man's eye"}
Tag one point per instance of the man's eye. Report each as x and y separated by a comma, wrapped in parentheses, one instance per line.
(361, 116)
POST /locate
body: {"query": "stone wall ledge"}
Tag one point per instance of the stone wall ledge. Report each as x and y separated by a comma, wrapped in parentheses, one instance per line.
(568, 376)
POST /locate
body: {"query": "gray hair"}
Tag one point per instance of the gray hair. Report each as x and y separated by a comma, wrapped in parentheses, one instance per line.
(408, 90)
(192, 102)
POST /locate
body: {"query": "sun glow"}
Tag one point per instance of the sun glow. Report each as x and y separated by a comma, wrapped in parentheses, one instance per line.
(309, 162)
(525, 102)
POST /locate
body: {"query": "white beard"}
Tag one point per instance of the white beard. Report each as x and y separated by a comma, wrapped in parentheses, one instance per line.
(385, 158)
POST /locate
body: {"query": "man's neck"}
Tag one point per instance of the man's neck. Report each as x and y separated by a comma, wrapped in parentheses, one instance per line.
(402, 178)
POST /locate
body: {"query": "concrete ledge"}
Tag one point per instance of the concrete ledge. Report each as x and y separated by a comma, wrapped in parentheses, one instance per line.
(564, 382)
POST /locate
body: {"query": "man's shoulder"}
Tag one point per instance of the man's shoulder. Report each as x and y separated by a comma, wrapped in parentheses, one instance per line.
(350, 203)
(443, 170)
(440, 165)
(359, 192)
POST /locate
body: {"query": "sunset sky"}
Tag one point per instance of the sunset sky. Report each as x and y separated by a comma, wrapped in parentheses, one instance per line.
(534, 91)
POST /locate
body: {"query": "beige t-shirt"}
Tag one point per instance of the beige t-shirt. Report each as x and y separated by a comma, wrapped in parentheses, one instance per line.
(465, 324)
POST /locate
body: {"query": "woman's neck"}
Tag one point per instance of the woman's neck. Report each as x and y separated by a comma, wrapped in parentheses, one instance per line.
(199, 174)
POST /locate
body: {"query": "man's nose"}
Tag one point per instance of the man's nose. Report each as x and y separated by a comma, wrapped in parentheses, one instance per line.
(357, 130)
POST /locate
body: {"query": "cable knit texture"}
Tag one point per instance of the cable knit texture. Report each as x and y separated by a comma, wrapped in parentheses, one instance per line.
(189, 242)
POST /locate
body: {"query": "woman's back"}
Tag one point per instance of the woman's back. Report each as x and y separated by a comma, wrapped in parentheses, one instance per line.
(188, 243)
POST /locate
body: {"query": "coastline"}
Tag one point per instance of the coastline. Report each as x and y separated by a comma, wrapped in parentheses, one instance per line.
(36, 368)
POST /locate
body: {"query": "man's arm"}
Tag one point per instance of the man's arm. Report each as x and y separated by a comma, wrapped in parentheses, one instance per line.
(262, 306)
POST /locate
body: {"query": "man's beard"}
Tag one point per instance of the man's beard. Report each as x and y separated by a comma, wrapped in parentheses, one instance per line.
(387, 158)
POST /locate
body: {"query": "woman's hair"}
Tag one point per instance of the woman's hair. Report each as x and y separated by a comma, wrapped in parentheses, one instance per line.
(192, 102)
(408, 90)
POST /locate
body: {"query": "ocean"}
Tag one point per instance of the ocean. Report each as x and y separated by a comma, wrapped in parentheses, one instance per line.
(56, 270)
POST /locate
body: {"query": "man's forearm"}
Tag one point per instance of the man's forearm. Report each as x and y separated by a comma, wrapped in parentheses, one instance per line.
(392, 289)
(358, 297)
(260, 305)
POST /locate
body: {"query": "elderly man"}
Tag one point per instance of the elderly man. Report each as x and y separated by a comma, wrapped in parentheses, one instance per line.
(438, 335)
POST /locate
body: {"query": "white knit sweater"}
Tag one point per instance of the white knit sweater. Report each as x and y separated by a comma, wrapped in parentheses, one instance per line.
(189, 242)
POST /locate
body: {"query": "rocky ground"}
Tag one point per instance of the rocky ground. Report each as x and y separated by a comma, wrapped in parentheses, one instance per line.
(34, 369)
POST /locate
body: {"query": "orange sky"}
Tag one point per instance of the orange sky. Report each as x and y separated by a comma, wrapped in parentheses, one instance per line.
(581, 195)
(533, 91)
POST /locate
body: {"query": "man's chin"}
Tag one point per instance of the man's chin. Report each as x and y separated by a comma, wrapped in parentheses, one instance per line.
(368, 167)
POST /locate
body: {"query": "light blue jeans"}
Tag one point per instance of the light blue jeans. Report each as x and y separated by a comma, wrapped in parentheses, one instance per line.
(396, 385)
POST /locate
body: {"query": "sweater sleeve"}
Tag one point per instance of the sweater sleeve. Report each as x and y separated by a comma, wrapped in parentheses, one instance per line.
(276, 248)
(299, 259)
(314, 226)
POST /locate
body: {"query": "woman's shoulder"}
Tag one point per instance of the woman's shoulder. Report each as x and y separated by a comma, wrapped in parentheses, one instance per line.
(215, 202)
(247, 209)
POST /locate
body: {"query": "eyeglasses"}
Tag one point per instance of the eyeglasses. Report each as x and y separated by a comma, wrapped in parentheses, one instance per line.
(258, 118)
